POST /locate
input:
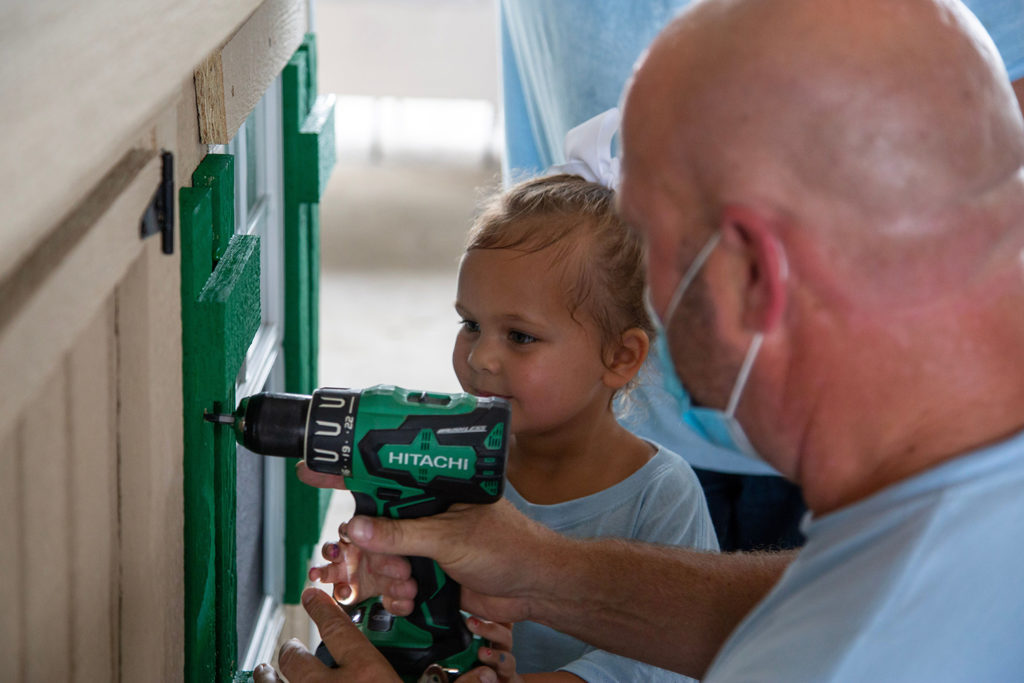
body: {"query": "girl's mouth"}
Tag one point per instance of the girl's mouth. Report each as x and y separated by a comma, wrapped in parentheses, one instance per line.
(487, 394)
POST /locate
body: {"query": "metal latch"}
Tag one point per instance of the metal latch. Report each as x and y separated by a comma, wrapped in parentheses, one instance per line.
(159, 215)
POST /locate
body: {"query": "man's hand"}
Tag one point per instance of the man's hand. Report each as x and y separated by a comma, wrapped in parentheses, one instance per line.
(486, 548)
(358, 660)
(483, 547)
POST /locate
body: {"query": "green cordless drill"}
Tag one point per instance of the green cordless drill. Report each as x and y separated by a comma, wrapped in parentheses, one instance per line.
(403, 454)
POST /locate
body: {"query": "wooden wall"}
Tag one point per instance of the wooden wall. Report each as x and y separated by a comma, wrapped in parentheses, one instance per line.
(90, 333)
(60, 510)
(90, 422)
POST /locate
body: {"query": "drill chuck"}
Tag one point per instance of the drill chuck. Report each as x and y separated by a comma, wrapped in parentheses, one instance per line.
(273, 424)
(269, 423)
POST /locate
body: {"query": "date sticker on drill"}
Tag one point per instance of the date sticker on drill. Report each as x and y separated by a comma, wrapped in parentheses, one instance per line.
(331, 430)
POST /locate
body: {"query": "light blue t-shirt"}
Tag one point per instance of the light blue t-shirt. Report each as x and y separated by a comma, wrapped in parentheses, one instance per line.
(660, 503)
(924, 581)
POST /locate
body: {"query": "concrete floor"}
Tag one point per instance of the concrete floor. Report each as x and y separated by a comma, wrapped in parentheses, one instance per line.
(409, 176)
(391, 236)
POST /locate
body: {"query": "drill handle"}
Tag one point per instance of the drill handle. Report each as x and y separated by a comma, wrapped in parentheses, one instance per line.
(436, 608)
(365, 504)
(436, 605)
(436, 593)
(392, 504)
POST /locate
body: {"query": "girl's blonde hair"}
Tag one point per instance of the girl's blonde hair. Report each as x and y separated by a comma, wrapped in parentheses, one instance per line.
(579, 220)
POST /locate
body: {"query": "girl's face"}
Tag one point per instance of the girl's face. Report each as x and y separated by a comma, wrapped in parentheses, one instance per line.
(519, 341)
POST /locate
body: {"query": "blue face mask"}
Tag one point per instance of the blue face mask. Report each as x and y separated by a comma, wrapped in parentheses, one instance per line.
(718, 427)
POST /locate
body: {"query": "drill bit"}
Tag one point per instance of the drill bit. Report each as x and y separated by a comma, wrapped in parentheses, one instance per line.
(219, 418)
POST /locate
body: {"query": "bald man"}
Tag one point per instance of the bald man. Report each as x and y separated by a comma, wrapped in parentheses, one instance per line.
(833, 190)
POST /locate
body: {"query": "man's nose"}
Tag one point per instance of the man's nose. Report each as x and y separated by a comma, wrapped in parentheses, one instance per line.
(484, 355)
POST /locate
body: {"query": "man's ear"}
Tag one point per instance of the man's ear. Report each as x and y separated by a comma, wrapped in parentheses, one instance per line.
(755, 233)
(625, 358)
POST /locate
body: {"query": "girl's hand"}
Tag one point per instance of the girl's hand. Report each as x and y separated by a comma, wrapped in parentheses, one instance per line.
(498, 657)
(358, 576)
(501, 663)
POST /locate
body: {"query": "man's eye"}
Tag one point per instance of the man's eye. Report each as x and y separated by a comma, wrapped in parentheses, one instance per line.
(470, 325)
(521, 337)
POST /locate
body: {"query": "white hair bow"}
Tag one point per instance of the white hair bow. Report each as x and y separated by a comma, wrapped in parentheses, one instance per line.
(588, 150)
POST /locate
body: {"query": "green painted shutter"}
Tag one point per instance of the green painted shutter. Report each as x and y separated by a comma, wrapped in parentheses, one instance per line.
(220, 311)
(308, 122)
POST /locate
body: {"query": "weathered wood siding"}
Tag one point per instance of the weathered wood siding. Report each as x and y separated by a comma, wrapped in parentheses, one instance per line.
(91, 517)
(90, 475)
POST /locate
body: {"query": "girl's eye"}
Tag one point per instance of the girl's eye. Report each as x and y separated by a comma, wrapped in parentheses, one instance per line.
(470, 325)
(521, 337)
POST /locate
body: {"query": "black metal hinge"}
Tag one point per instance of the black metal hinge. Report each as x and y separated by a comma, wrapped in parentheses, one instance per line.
(159, 215)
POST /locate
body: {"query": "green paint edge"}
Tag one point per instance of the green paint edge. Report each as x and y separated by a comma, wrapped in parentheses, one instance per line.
(220, 316)
(196, 229)
(309, 157)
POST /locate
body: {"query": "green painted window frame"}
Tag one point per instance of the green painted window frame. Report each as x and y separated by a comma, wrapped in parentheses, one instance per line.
(309, 155)
(220, 312)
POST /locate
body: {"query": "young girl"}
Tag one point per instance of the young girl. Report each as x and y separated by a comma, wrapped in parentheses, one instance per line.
(550, 292)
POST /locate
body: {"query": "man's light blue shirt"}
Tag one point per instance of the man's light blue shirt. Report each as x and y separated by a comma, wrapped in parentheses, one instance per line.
(922, 581)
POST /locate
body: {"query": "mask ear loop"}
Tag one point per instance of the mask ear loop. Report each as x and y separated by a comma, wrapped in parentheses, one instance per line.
(755, 346)
(741, 379)
(689, 277)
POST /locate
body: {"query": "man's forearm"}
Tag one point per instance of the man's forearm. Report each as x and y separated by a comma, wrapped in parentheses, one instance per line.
(671, 607)
(668, 606)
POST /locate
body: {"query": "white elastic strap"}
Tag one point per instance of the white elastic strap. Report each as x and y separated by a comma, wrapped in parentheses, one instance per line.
(684, 284)
(741, 380)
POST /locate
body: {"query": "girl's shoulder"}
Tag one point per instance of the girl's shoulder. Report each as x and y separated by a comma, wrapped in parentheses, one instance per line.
(667, 485)
(664, 476)
(667, 469)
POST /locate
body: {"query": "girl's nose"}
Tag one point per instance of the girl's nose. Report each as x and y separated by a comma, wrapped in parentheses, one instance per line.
(484, 356)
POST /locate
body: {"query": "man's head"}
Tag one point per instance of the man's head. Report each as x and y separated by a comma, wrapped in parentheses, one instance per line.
(862, 162)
